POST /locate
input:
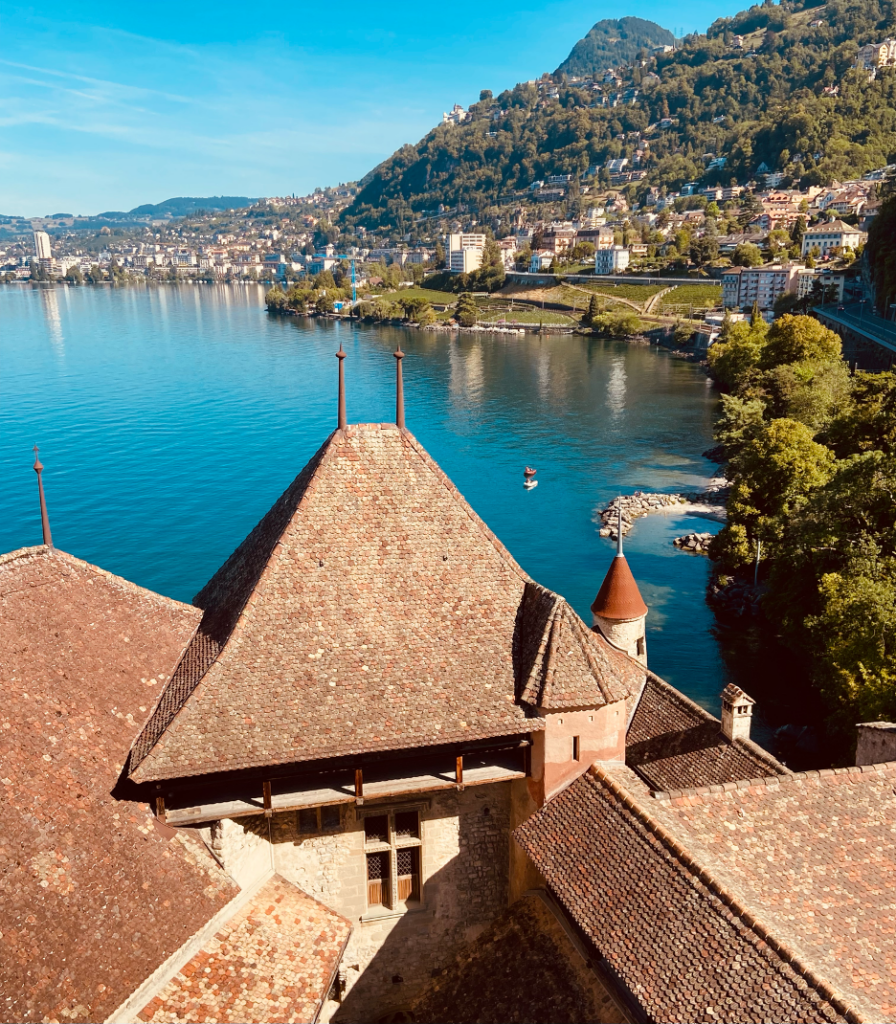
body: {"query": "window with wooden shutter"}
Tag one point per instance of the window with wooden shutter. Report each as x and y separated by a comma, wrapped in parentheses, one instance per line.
(377, 879)
(408, 865)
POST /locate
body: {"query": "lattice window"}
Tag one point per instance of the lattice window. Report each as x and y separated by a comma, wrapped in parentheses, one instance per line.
(394, 859)
(378, 879)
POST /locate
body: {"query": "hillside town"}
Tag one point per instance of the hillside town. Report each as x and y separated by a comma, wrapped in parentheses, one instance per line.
(779, 240)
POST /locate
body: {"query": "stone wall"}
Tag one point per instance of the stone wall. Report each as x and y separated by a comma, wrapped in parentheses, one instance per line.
(465, 859)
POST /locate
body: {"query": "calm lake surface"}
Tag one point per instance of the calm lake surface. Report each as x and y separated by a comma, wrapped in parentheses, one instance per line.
(170, 419)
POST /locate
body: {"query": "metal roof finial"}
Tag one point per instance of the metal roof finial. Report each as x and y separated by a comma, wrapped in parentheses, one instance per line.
(340, 355)
(44, 518)
(399, 389)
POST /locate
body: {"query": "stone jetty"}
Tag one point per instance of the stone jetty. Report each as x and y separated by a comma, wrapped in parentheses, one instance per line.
(633, 506)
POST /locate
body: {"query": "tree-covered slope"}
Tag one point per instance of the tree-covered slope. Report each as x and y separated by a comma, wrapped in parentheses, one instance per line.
(769, 102)
(612, 42)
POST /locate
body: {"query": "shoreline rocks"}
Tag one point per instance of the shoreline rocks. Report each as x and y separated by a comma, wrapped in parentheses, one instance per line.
(698, 543)
(710, 503)
(633, 506)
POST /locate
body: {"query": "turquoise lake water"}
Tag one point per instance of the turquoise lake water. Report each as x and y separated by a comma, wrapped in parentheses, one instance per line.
(170, 419)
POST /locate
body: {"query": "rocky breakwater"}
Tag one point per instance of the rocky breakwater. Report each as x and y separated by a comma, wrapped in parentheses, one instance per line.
(696, 542)
(633, 506)
(708, 503)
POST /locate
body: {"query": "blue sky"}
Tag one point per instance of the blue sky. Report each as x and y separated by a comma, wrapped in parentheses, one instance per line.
(104, 106)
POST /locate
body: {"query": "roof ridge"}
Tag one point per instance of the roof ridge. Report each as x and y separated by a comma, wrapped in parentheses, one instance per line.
(681, 853)
(681, 699)
(823, 775)
(209, 649)
(474, 516)
(584, 637)
(125, 584)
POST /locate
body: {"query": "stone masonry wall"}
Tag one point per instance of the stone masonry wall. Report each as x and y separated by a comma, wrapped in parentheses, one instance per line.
(465, 857)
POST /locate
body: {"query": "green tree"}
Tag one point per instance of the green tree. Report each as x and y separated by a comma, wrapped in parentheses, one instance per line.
(704, 250)
(490, 275)
(868, 420)
(774, 474)
(746, 255)
(738, 350)
(466, 311)
(275, 299)
(795, 338)
(73, 275)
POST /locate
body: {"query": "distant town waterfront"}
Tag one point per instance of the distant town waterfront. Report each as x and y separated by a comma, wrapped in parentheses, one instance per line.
(170, 419)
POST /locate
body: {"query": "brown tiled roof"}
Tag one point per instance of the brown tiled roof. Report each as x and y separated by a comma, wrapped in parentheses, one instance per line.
(619, 597)
(668, 933)
(562, 663)
(673, 743)
(94, 896)
(813, 856)
(370, 610)
(274, 960)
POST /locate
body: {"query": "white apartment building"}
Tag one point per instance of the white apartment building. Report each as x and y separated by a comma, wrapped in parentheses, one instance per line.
(742, 286)
(835, 235)
(42, 245)
(611, 261)
(465, 252)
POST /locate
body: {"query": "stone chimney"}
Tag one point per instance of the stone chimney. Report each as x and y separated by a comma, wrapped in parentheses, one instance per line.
(737, 712)
(876, 742)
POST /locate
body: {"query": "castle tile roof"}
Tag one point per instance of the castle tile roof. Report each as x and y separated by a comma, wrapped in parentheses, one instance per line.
(371, 609)
(95, 894)
(673, 743)
(619, 597)
(562, 663)
(274, 960)
(813, 856)
(675, 938)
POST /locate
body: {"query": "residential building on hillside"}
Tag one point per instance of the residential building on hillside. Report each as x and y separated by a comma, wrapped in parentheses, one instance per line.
(611, 261)
(834, 235)
(464, 252)
(742, 286)
(877, 55)
(541, 260)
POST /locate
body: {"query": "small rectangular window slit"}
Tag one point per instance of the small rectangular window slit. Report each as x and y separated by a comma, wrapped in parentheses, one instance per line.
(575, 748)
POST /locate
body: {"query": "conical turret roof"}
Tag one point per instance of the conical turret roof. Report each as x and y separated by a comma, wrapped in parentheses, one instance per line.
(619, 597)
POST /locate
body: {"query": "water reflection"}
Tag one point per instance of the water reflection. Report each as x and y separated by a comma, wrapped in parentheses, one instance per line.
(52, 317)
(616, 387)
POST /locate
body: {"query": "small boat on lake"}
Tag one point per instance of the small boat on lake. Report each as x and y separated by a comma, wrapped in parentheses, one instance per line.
(529, 474)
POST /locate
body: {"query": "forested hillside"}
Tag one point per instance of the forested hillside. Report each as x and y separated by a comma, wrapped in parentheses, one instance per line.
(763, 103)
(612, 42)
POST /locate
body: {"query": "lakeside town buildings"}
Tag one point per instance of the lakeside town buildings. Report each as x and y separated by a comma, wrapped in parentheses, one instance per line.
(376, 771)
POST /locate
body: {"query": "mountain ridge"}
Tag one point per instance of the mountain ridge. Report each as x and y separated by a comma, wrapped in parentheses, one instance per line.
(611, 42)
(774, 85)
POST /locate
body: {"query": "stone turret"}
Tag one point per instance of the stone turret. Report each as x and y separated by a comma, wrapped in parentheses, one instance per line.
(737, 713)
(619, 611)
